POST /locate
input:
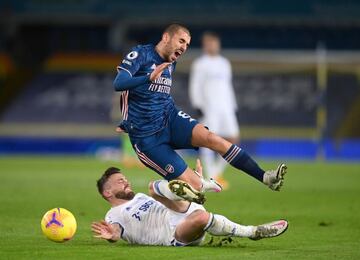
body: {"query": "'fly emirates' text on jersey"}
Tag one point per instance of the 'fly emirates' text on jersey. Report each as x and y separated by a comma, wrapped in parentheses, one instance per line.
(146, 108)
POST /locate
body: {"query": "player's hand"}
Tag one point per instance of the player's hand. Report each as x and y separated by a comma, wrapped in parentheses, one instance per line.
(103, 230)
(199, 168)
(158, 71)
(119, 130)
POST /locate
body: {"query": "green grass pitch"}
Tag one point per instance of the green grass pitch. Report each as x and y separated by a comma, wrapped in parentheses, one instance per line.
(321, 202)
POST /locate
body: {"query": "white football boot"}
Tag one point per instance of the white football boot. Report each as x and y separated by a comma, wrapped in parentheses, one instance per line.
(274, 179)
(272, 229)
(210, 185)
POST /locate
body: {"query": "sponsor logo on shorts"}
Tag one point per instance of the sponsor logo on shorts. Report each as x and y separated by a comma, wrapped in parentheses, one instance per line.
(169, 168)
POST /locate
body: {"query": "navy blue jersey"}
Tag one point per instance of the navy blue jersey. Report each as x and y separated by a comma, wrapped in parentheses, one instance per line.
(146, 108)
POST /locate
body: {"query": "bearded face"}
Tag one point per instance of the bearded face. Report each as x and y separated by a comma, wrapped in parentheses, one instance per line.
(176, 45)
(125, 195)
(118, 186)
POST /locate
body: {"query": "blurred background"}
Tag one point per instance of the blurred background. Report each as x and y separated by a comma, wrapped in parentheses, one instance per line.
(296, 71)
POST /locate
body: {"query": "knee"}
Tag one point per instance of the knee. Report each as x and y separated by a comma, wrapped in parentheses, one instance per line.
(201, 219)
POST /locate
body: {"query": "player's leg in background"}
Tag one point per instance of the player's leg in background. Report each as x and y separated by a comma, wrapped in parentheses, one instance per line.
(208, 158)
(228, 128)
(214, 166)
(220, 167)
(237, 157)
(231, 153)
(213, 163)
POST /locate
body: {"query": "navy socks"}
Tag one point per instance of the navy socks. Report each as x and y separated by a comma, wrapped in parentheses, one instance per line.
(242, 161)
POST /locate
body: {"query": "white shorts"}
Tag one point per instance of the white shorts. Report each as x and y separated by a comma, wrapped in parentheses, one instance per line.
(176, 218)
(222, 123)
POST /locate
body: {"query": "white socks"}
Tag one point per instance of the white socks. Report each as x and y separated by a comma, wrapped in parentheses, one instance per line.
(208, 158)
(161, 188)
(220, 226)
(221, 164)
(214, 163)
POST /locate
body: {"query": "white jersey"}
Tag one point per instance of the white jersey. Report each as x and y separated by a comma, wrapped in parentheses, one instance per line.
(211, 91)
(146, 221)
(210, 84)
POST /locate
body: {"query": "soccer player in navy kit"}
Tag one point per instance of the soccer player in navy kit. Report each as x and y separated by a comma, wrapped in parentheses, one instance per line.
(157, 128)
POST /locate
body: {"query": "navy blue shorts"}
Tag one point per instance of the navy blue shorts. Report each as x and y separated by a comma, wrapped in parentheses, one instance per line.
(157, 151)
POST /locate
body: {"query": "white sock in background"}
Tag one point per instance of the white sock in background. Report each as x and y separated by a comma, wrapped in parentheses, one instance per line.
(220, 165)
(208, 159)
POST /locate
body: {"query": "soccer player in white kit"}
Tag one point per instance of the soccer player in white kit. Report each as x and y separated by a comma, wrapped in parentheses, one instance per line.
(156, 220)
(212, 95)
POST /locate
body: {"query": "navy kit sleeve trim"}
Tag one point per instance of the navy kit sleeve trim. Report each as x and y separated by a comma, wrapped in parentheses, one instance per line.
(119, 68)
(124, 80)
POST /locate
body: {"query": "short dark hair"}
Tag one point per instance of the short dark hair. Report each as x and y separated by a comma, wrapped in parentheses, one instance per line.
(210, 34)
(101, 182)
(175, 27)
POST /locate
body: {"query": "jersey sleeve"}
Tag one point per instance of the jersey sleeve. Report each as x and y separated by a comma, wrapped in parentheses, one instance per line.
(109, 218)
(132, 61)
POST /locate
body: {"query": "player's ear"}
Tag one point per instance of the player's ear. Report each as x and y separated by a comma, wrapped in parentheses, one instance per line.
(106, 194)
(166, 37)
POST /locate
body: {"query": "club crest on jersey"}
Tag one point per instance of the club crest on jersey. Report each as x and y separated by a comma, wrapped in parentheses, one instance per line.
(169, 168)
(153, 66)
(132, 55)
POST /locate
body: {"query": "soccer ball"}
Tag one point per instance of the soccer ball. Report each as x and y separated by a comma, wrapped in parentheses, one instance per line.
(58, 225)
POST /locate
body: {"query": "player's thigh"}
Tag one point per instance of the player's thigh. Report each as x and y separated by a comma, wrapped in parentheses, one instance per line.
(202, 137)
(181, 128)
(162, 159)
(192, 227)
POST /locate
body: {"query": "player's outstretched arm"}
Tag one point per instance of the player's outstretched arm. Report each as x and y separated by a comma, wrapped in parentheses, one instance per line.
(104, 230)
(124, 81)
